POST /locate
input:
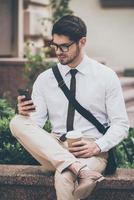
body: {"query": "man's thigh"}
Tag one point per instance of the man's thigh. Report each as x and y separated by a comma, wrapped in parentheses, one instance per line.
(97, 163)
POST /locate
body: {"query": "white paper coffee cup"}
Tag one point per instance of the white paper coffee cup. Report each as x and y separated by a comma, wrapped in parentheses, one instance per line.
(73, 136)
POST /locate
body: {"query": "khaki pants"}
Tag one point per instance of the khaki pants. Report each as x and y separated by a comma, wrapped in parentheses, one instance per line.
(52, 154)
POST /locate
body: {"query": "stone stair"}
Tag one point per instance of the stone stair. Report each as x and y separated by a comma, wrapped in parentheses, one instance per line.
(25, 182)
(128, 93)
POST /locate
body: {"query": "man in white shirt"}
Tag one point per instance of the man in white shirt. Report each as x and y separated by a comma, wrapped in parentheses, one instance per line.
(77, 169)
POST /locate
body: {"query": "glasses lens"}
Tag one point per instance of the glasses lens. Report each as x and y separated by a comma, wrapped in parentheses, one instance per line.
(64, 48)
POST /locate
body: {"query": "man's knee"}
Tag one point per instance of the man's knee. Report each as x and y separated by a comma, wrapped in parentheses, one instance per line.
(15, 124)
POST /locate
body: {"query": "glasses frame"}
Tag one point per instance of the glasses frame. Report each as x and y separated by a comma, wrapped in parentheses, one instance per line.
(61, 46)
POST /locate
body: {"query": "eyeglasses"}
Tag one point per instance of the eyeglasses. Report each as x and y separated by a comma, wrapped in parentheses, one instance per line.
(62, 47)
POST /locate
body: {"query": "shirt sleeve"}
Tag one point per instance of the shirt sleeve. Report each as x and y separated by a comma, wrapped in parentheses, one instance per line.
(116, 111)
(40, 115)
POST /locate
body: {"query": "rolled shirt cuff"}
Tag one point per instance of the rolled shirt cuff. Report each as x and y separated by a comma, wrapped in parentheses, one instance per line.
(103, 145)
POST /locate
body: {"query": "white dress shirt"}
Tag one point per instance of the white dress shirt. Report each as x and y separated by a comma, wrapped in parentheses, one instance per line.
(97, 89)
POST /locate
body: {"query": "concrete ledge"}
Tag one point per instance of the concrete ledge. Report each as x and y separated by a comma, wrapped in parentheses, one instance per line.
(34, 183)
(19, 62)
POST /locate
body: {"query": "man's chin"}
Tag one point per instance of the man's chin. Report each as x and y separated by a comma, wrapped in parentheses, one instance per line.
(63, 62)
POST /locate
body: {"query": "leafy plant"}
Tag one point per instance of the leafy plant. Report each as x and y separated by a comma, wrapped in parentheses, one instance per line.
(11, 151)
(5, 109)
(59, 9)
(125, 151)
(35, 64)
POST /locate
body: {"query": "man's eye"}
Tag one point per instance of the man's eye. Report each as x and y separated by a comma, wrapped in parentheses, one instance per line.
(63, 46)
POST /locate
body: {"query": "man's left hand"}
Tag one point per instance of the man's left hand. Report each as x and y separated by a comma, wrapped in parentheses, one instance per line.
(84, 149)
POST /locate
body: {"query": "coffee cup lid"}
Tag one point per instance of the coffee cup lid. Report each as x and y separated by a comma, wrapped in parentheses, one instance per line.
(74, 134)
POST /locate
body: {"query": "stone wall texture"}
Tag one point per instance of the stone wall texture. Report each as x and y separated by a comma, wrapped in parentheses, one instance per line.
(11, 77)
(34, 183)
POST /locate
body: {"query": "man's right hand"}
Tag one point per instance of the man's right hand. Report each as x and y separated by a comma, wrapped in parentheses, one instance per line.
(25, 107)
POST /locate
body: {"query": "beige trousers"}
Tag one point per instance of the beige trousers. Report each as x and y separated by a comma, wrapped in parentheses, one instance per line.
(52, 154)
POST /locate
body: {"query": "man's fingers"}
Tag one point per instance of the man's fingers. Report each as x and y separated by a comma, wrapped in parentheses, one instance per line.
(79, 148)
(78, 143)
(22, 102)
(26, 108)
(29, 108)
(80, 153)
(20, 98)
(25, 103)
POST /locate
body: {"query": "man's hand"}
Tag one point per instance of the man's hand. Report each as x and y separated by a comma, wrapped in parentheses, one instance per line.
(84, 149)
(25, 107)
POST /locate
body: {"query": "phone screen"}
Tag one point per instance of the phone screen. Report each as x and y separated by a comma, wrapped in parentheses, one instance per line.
(26, 93)
(27, 97)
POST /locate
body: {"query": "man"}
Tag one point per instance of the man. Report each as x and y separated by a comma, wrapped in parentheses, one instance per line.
(77, 169)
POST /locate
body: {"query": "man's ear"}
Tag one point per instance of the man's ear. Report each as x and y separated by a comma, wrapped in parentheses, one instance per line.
(82, 41)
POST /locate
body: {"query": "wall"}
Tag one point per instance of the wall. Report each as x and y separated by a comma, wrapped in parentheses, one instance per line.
(11, 30)
(34, 13)
(110, 32)
(37, 24)
(11, 77)
(5, 30)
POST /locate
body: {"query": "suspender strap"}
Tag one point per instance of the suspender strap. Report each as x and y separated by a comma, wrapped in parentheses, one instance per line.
(84, 112)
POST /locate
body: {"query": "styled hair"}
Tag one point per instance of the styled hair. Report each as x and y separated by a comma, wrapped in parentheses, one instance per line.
(70, 26)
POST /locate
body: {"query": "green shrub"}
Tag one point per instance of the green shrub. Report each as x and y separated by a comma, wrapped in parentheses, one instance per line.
(125, 151)
(11, 152)
(36, 63)
(60, 9)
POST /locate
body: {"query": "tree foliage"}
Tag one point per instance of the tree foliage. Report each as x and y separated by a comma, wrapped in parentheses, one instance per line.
(60, 8)
(11, 152)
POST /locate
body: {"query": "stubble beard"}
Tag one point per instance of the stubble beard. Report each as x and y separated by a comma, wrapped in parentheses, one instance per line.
(71, 59)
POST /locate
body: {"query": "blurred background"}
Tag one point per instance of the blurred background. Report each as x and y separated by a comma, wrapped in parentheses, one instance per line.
(25, 32)
(110, 27)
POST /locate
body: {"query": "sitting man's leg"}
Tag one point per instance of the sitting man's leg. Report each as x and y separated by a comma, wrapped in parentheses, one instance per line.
(67, 187)
(66, 183)
(95, 164)
(40, 143)
(46, 148)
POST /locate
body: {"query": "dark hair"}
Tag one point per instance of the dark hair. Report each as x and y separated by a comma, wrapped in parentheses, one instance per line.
(70, 26)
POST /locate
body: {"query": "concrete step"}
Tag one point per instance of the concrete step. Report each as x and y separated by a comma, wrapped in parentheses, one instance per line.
(128, 95)
(131, 119)
(130, 112)
(131, 109)
(127, 82)
(130, 104)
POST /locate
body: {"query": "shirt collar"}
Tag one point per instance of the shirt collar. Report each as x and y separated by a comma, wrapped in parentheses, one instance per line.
(83, 67)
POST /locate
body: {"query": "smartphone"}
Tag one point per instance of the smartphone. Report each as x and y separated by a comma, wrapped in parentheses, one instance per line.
(27, 97)
(26, 93)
